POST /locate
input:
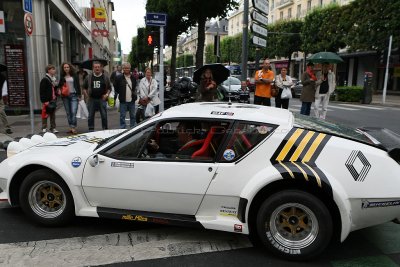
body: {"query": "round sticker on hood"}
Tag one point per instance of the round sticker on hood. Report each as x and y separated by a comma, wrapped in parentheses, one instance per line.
(76, 162)
(229, 154)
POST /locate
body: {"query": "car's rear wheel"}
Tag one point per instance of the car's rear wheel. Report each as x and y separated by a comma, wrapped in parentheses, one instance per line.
(294, 225)
(46, 198)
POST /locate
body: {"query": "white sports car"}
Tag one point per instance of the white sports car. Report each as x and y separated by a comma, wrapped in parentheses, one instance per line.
(293, 182)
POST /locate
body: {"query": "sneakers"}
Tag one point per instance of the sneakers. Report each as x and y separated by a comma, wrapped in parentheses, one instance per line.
(54, 131)
(8, 131)
(44, 130)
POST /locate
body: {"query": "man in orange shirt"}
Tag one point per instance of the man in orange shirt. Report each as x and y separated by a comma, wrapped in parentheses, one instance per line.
(263, 79)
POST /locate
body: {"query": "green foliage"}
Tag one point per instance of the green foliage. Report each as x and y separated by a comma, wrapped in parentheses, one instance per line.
(372, 22)
(185, 60)
(349, 93)
(132, 58)
(321, 30)
(200, 11)
(210, 57)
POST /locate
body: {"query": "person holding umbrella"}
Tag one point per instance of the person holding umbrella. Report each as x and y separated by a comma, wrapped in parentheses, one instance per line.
(309, 80)
(324, 90)
(208, 87)
(208, 77)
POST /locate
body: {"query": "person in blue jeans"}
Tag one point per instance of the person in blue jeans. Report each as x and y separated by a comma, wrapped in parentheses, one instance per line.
(125, 88)
(97, 88)
(70, 95)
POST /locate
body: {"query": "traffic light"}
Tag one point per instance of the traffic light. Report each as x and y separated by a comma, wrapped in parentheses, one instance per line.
(152, 39)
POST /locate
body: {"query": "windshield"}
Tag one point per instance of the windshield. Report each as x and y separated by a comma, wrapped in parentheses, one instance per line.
(311, 123)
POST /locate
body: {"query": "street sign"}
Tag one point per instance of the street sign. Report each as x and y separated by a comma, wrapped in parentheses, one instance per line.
(259, 41)
(156, 19)
(27, 6)
(28, 23)
(258, 29)
(261, 5)
(259, 18)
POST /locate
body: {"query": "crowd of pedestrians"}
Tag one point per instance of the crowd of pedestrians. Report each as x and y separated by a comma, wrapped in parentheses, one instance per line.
(137, 94)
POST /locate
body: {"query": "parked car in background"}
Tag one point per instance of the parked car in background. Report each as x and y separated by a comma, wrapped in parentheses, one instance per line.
(296, 88)
(231, 87)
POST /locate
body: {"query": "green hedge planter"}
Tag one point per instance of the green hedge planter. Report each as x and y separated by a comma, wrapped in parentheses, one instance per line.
(349, 93)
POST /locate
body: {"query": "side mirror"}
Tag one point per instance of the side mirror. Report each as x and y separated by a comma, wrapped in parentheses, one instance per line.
(93, 160)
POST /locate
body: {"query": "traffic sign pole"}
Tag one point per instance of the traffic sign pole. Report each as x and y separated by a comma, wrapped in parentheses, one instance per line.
(161, 92)
(245, 38)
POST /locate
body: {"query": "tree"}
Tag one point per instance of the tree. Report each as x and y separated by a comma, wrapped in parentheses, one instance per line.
(371, 24)
(321, 32)
(177, 23)
(285, 39)
(132, 58)
(200, 11)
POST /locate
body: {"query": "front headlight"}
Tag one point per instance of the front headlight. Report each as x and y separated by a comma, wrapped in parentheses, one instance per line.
(3, 184)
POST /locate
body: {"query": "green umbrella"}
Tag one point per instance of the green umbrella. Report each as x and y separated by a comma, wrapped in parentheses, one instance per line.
(322, 57)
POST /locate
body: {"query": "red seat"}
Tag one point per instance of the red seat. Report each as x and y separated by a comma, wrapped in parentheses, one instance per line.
(205, 149)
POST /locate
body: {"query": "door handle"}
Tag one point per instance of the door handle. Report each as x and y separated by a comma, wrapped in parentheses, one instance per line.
(101, 160)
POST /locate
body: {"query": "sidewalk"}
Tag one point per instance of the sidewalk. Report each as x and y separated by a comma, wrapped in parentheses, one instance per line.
(21, 125)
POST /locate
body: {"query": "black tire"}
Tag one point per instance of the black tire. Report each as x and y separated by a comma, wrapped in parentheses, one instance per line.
(294, 225)
(46, 198)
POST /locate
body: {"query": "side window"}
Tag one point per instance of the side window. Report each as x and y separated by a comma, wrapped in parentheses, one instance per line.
(243, 138)
(183, 140)
(131, 147)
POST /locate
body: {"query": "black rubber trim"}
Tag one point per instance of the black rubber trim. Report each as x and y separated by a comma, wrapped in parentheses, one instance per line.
(242, 210)
(150, 217)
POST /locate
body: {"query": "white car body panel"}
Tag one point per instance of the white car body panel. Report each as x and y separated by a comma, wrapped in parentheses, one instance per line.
(364, 188)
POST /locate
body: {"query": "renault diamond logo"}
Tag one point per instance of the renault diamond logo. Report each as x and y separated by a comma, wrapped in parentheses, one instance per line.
(358, 165)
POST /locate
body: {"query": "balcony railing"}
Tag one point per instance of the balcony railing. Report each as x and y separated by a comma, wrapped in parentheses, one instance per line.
(284, 3)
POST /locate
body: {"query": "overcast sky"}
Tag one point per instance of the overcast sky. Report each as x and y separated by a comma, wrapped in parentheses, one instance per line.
(129, 15)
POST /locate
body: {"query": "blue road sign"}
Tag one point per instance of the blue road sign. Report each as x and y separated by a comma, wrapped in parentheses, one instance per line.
(28, 6)
(156, 19)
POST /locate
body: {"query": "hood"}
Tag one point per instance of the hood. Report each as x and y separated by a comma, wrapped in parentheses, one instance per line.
(87, 141)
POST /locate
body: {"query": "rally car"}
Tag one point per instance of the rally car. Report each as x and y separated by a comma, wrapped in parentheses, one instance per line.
(292, 182)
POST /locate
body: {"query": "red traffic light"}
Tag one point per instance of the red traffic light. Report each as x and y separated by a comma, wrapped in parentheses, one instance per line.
(150, 40)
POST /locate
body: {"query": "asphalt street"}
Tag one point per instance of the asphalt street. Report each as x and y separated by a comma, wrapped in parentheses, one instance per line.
(94, 242)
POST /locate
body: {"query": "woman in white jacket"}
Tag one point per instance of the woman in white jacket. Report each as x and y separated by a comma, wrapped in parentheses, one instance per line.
(326, 85)
(148, 94)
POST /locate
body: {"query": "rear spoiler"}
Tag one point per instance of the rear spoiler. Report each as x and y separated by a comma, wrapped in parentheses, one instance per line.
(385, 138)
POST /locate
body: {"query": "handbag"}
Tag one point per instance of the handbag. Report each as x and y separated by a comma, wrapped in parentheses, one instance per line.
(65, 90)
(286, 93)
(82, 112)
(51, 107)
(274, 91)
(143, 101)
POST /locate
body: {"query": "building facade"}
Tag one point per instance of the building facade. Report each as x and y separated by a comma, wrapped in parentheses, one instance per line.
(48, 32)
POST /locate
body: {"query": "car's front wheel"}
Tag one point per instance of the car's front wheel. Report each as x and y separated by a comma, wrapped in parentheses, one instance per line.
(294, 225)
(46, 198)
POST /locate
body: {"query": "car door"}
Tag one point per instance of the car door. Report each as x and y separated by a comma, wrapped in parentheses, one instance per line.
(128, 177)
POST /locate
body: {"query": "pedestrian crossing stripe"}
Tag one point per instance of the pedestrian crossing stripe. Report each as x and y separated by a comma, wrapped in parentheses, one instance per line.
(296, 155)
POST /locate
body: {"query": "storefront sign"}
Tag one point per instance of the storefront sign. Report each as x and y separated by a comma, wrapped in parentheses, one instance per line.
(2, 22)
(99, 14)
(15, 61)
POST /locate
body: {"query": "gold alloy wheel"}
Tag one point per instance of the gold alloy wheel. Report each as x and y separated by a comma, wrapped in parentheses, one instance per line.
(293, 225)
(47, 199)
